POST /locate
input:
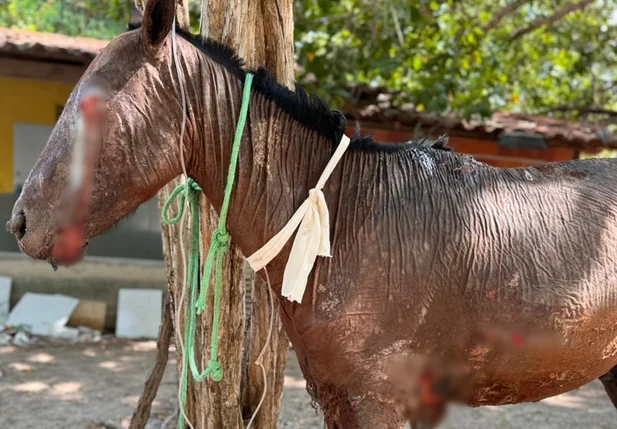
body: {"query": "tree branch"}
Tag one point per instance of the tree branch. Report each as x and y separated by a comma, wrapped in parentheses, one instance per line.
(501, 14)
(548, 20)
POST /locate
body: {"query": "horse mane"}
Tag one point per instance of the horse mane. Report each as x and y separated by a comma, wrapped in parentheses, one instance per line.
(308, 109)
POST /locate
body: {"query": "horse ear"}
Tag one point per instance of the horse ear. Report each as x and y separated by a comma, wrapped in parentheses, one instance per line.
(135, 19)
(157, 21)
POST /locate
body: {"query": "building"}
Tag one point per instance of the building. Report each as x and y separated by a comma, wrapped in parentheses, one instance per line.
(37, 74)
(504, 140)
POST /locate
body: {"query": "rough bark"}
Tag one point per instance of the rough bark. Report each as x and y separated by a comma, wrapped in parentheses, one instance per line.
(262, 33)
(274, 358)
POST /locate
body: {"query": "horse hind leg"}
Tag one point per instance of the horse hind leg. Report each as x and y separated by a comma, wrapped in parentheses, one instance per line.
(609, 380)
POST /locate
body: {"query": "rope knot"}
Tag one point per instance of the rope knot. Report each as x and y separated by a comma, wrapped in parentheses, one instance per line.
(215, 370)
(221, 238)
(313, 195)
(180, 192)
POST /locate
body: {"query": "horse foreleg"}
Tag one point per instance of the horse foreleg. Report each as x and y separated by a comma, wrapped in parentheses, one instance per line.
(362, 413)
(373, 414)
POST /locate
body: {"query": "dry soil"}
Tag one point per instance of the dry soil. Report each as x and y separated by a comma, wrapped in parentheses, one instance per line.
(96, 386)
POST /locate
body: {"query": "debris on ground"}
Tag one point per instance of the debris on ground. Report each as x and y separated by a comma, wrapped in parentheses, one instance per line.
(42, 319)
(20, 336)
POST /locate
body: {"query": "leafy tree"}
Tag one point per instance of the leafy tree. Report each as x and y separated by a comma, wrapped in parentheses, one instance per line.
(464, 56)
(101, 19)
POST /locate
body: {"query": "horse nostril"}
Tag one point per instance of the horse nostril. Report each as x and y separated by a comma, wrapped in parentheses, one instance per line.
(18, 227)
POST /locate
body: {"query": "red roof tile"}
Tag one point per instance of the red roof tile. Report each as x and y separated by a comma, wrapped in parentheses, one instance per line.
(22, 43)
(375, 108)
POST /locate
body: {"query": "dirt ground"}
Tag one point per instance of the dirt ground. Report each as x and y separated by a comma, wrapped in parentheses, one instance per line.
(96, 386)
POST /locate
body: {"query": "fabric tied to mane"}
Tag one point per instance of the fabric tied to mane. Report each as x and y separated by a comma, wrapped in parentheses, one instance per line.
(312, 220)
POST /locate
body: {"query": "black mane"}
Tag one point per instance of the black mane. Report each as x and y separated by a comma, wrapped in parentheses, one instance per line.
(308, 109)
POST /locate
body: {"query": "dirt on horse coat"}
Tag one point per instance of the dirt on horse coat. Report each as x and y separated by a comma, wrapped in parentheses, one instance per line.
(450, 279)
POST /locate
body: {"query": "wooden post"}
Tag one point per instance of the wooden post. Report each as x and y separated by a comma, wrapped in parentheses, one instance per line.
(261, 31)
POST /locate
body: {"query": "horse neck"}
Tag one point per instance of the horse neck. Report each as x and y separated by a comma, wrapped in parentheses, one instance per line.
(279, 161)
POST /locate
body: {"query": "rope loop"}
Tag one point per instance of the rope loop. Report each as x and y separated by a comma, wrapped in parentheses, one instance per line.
(194, 191)
(172, 197)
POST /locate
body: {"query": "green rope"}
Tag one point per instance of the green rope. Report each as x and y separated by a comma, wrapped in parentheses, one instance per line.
(214, 260)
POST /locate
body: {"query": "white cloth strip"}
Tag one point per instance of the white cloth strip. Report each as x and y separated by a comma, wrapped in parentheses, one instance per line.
(312, 239)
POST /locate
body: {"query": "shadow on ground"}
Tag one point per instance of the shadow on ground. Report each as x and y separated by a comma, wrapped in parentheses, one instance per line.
(97, 386)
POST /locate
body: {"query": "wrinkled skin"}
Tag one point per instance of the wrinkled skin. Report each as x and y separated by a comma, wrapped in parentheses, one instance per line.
(450, 280)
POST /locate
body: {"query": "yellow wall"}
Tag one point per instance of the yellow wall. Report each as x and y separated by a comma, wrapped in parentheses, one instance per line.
(30, 101)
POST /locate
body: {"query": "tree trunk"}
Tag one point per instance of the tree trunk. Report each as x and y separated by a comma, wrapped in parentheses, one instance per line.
(262, 33)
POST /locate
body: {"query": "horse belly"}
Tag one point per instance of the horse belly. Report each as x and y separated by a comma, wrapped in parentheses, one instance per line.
(528, 373)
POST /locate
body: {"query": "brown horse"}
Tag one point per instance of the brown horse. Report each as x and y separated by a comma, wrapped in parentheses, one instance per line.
(450, 280)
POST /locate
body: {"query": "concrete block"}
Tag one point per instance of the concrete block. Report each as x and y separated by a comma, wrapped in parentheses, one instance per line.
(43, 314)
(94, 279)
(139, 313)
(90, 314)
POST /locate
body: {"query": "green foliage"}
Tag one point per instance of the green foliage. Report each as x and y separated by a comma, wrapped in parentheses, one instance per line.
(447, 56)
(442, 57)
(101, 19)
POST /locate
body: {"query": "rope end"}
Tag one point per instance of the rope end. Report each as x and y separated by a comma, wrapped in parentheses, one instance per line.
(200, 307)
